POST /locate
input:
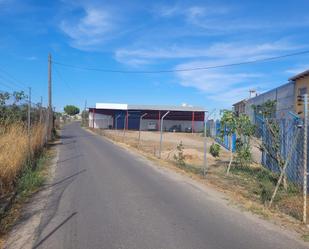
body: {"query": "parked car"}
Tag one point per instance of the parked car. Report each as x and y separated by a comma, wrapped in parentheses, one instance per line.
(188, 129)
(175, 128)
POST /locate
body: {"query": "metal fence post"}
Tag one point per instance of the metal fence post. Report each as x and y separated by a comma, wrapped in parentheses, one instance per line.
(305, 156)
(139, 132)
(161, 130)
(116, 121)
(205, 143)
(29, 122)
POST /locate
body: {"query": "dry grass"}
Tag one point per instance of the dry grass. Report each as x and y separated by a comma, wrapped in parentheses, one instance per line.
(14, 152)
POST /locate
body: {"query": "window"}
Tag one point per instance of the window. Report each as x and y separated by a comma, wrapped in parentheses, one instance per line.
(302, 90)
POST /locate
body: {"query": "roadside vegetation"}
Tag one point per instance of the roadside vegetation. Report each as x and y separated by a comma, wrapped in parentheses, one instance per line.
(22, 152)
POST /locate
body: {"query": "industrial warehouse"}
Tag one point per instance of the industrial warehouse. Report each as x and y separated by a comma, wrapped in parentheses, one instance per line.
(147, 117)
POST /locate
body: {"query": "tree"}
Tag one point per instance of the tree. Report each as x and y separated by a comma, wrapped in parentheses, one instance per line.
(71, 110)
(241, 125)
(272, 146)
(228, 127)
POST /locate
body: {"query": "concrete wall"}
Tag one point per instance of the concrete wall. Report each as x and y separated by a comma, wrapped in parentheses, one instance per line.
(167, 124)
(100, 120)
(284, 95)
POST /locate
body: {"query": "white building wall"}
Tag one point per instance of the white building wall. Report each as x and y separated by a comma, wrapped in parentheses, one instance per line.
(167, 124)
(101, 121)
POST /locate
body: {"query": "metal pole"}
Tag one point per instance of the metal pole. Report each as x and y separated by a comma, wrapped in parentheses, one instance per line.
(159, 117)
(116, 121)
(84, 116)
(305, 156)
(41, 106)
(139, 132)
(29, 121)
(50, 108)
(93, 117)
(124, 124)
(205, 143)
(192, 125)
(161, 130)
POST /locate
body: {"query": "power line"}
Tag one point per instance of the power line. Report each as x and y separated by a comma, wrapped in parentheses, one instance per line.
(14, 81)
(184, 69)
(71, 89)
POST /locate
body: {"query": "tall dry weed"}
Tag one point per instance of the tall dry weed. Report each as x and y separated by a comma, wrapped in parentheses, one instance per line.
(14, 152)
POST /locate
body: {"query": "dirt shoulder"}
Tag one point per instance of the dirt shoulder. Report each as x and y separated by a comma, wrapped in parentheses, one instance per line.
(24, 216)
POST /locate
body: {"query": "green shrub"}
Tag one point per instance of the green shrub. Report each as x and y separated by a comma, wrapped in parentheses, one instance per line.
(214, 150)
(243, 154)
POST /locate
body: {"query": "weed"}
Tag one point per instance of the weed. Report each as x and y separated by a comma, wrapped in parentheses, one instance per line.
(180, 157)
(305, 237)
(29, 182)
(14, 152)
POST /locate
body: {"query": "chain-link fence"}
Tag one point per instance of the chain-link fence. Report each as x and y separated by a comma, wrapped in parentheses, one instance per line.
(282, 145)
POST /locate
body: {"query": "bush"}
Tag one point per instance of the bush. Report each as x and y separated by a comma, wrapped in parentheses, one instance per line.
(214, 150)
(267, 189)
(243, 154)
(180, 157)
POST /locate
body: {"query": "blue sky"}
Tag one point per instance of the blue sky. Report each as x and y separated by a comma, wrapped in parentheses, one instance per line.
(150, 35)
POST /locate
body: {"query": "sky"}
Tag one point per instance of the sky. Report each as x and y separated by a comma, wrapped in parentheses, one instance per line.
(150, 36)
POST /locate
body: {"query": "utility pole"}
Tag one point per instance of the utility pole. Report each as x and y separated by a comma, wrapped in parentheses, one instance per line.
(84, 116)
(161, 131)
(305, 96)
(50, 108)
(29, 122)
(85, 105)
(41, 106)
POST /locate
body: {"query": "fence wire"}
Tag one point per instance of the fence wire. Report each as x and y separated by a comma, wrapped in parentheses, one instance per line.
(282, 145)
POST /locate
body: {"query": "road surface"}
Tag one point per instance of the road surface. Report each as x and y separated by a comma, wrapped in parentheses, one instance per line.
(105, 197)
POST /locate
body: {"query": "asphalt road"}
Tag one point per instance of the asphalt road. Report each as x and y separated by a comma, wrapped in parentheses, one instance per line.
(105, 197)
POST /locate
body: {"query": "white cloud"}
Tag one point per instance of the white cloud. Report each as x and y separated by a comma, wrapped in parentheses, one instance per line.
(212, 80)
(90, 30)
(220, 85)
(31, 58)
(298, 69)
(230, 52)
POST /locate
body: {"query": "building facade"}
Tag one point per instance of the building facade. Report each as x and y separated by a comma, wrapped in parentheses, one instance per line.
(284, 95)
(301, 86)
(146, 117)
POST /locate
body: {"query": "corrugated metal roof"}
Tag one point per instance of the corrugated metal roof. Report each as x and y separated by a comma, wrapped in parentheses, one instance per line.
(117, 106)
(300, 75)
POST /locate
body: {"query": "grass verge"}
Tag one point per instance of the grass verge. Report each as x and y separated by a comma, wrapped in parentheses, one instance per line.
(31, 179)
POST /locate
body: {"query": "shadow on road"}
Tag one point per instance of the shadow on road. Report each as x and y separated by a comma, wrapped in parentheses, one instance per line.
(65, 179)
(54, 230)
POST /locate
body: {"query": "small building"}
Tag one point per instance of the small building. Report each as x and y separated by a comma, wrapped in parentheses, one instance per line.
(240, 107)
(284, 95)
(301, 85)
(147, 117)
